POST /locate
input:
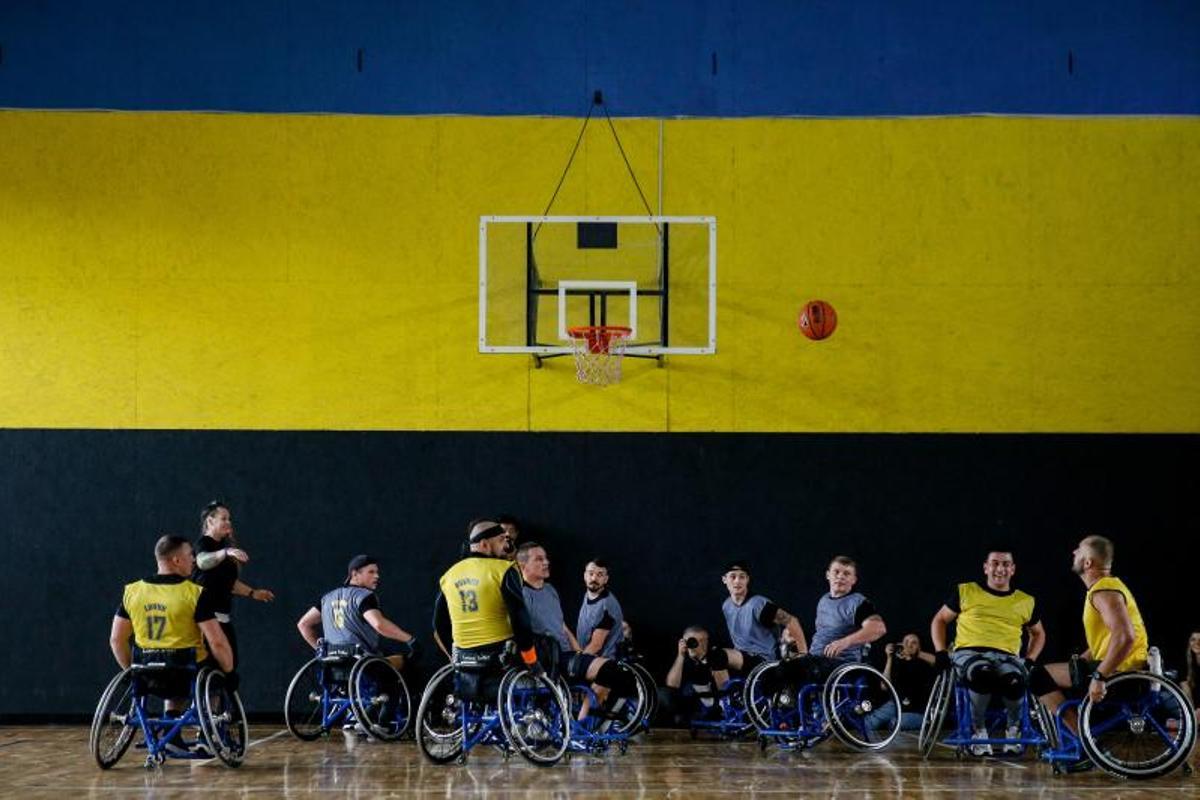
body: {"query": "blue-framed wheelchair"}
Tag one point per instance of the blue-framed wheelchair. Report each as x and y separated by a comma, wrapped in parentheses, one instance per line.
(800, 702)
(611, 724)
(948, 692)
(345, 686)
(724, 714)
(133, 709)
(1145, 727)
(475, 701)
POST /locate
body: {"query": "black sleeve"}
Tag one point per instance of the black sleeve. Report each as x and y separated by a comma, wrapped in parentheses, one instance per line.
(121, 612)
(204, 607)
(369, 602)
(518, 614)
(441, 621)
(207, 544)
(767, 615)
(1034, 619)
(865, 609)
(951, 602)
(607, 623)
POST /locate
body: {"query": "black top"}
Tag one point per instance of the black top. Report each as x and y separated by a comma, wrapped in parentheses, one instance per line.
(205, 607)
(220, 579)
(913, 679)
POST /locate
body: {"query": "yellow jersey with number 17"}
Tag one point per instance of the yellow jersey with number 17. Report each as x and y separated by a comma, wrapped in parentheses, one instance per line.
(478, 614)
(1098, 634)
(163, 614)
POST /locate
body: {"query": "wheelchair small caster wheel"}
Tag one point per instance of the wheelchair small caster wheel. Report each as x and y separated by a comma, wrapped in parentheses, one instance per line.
(1187, 768)
(1058, 771)
(623, 747)
(762, 743)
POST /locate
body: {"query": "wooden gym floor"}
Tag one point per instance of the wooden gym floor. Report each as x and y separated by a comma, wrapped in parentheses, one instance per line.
(53, 761)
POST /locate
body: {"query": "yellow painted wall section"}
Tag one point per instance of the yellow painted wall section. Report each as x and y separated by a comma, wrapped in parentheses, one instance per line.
(321, 272)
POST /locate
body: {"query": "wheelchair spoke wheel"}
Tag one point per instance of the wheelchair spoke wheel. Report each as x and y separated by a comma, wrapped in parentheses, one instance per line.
(628, 713)
(650, 690)
(303, 707)
(759, 695)
(1043, 720)
(1143, 728)
(850, 694)
(935, 713)
(380, 698)
(113, 725)
(535, 717)
(222, 717)
(439, 726)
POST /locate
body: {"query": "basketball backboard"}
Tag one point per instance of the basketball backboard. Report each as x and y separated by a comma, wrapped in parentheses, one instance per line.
(539, 276)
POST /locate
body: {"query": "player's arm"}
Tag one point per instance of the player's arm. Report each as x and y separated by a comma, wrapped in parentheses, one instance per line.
(600, 635)
(571, 638)
(1111, 605)
(242, 589)
(1037, 640)
(309, 625)
(779, 616)
(443, 630)
(939, 626)
(218, 644)
(385, 627)
(518, 615)
(118, 640)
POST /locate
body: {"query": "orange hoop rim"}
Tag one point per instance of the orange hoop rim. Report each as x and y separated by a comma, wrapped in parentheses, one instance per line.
(584, 331)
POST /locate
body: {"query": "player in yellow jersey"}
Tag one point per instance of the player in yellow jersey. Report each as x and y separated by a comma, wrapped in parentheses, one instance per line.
(166, 611)
(990, 618)
(479, 606)
(1112, 624)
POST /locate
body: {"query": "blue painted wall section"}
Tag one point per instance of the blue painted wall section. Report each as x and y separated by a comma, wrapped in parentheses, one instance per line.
(716, 58)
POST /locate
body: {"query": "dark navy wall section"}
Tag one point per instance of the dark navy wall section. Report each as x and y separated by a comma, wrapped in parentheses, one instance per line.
(723, 58)
(83, 509)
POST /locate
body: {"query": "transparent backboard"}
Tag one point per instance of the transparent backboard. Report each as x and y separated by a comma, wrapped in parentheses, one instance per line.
(539, 276)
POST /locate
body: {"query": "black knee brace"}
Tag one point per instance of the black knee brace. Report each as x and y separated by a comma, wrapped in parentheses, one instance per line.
(1011, 685)
(617, 679)
(718, 658)
(980, 676)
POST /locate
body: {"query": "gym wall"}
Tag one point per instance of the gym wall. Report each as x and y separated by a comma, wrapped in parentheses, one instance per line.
(280, 309)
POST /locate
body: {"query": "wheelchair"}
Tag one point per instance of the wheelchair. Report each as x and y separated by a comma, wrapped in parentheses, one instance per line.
(478, 700)
(134, 701)
(798, 703)
(601, 728)
(344, 685)
(948, 692)
(726, 716)
(1145, 727)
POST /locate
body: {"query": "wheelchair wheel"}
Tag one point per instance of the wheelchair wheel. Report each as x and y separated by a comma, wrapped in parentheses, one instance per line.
(631, 713)
(303, 710)
(757, 700)
(439, 725)
(535, 717)
(650, 689)
(935, 713)
(113, 727)
(222, 717)
(849, 696)
(1144, 727)
(1044, 721)
(380, 698)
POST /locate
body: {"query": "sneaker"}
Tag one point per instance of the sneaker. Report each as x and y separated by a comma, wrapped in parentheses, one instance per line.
(1012, 732)
(176, 747)
(200, 749)
(983, 748)
(1082, 765)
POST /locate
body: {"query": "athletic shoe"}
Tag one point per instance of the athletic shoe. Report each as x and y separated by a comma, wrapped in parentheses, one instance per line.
(982, 749)
(1082, 765)
(1013, 732)
(201, 749)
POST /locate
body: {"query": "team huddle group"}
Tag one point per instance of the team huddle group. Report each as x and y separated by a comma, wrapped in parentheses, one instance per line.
(497, 599)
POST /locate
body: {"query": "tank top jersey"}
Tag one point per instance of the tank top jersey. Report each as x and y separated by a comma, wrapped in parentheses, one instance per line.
(992, 620)
(1097, 633)
(343, 620)
(592, 613)
(163, 614)
(546, 614)
(838, 617)
(746, 631)
(471, 588)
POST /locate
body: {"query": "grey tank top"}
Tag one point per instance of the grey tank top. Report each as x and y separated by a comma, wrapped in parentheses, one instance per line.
(545, 610)
(745, 630)
(835, 619)
(590, 615)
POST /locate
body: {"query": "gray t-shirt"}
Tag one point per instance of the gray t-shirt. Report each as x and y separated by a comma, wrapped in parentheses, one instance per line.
(746, 629)
(545, 611)
(342, 620)
(838, 617)
(602, 612)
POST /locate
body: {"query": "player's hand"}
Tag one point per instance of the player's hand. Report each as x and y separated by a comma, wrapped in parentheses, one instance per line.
(237, 554)
(1097, 689)
(262, 595)
(834, 649)
(941, 661)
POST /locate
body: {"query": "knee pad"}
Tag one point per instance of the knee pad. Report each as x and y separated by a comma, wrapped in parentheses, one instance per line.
(1011, 684)
(980, 676)
(617, 679)
(718, 658)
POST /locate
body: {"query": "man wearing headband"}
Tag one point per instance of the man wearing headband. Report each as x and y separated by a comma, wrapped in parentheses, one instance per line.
(350, 615)
(479, 606)
(752, 621)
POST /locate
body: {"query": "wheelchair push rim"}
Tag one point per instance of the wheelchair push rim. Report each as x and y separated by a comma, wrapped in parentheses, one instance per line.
(113, 727)
(535, 717)
(222, 717)
(850, 694)
(934, 716)
(1143, 736)
(441, 742)
(303, 706)
(380, 698)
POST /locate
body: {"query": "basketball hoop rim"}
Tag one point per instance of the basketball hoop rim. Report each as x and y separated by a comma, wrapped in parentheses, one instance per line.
(583, 331)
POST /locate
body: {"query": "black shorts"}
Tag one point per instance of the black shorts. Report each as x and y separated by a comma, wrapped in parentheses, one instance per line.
(749, 662)
(1081, 670)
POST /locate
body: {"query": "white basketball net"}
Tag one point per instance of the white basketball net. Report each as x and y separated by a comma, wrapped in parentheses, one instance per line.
(599, 351)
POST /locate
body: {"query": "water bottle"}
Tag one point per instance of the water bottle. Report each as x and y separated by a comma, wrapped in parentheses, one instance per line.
(1154, 665)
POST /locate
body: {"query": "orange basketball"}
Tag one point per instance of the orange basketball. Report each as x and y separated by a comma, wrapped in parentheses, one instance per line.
(818, 320)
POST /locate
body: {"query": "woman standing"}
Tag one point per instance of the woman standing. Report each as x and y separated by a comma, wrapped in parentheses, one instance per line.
(218, 566)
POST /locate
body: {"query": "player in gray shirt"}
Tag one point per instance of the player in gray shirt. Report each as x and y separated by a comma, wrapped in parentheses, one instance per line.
(599, 627)
(752, 621)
